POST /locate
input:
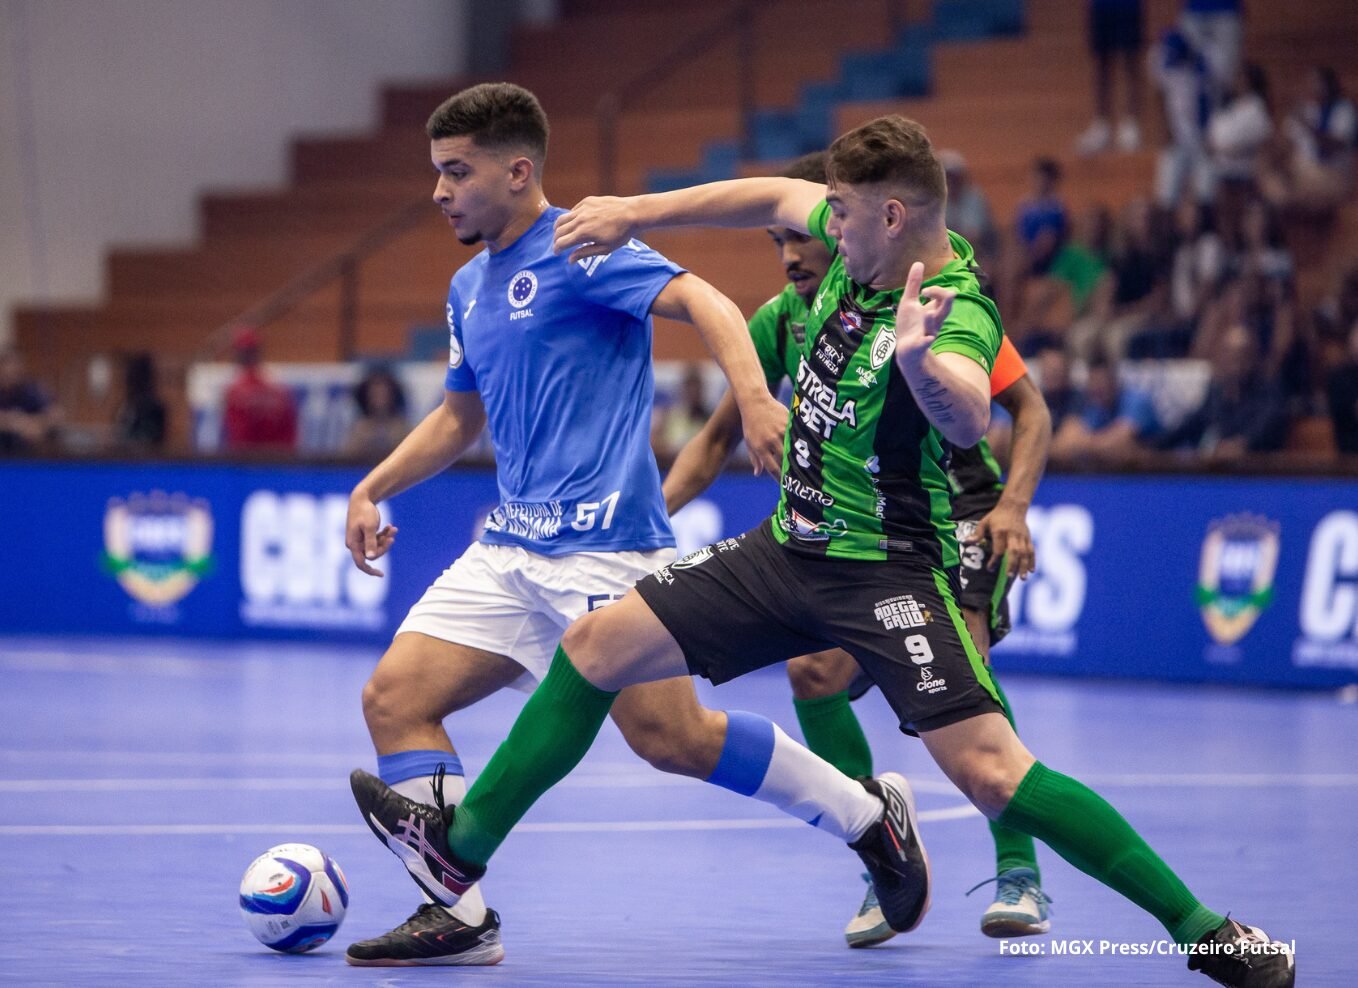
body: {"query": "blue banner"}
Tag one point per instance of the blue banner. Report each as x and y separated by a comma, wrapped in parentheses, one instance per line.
(1198, 579)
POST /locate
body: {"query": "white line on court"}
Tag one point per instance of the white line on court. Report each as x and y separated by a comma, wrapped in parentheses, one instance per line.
(632, 780)
(324, 829)
(647, 779)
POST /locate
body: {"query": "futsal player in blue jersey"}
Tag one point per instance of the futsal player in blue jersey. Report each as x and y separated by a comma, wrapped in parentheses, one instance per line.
(556, 357)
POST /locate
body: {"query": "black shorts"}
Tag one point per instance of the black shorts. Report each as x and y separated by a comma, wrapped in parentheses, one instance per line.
(1114, 26)
(747, 602)
(983, 589)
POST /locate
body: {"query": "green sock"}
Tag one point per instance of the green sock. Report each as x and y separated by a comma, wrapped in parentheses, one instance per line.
(554, 730)
(1012, 849)
(832, 731)
(1078, 824)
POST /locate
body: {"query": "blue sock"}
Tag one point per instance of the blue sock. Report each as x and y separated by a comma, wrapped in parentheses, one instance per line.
(403, 765)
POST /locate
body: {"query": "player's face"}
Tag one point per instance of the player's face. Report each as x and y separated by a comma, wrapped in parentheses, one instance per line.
(860, 220)
(473, 188)
(805, 259)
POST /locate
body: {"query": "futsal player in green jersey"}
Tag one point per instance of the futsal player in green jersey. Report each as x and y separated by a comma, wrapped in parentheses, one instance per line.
(989, 516)
(894, 371)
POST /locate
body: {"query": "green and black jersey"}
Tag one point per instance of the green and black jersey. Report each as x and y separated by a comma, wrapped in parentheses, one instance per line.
(778, 328)
(864, 472)
(976, 481)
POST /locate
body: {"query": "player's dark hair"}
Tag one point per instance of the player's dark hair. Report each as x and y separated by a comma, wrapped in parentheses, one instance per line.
(498, 116)
(809, 168)
(890, 150)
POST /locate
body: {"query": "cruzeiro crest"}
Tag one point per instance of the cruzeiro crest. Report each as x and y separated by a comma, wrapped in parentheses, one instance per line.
(157, 546)
(1235, 574)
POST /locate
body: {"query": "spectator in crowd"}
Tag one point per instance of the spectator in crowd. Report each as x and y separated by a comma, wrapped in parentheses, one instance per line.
(1214, 28)
(261, 414)
(140, 419)
(1242, 412)
(1053, 375)
(381, 423)
(27, 416)
(1074, 291)
(1107, 424)
(1179, 72)
(1199, 259)
(680, 419)
(968, 210)
(1316, 173)
(1341, 389)
(1140, 299)
(1043, 220)
(1334, 317)
(1237, 135)
(1115, 35)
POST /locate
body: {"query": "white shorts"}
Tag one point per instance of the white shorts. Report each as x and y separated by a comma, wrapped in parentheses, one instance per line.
(517, 603)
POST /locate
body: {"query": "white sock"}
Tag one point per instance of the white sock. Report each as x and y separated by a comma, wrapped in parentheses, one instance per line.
(759, 760)
(471, 908)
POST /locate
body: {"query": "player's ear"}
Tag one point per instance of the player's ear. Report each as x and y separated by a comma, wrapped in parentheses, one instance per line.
(521, 172)
(893, 216)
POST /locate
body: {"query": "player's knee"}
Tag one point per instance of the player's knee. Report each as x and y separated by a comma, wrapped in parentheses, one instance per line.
(384, 708)
(585, 644)
(811, 677)
(666, 745)
(990, 784)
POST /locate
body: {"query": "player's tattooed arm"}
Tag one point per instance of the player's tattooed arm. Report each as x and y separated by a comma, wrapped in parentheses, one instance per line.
(952, 390)
(602, 224)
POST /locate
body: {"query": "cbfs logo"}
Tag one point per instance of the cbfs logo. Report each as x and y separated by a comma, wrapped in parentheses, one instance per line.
(1329, 596)
(1235, 574)
(158, 546)
(295, 571)
(1045, 609)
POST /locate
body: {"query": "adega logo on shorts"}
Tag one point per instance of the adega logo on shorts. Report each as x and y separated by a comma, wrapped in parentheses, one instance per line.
(158, 546)
(1235, 574)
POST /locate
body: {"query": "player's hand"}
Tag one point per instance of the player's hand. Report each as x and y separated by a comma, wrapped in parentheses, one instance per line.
(920, 315)
(1006, 529)
(363, 537)
(764, 427)
(596, 225)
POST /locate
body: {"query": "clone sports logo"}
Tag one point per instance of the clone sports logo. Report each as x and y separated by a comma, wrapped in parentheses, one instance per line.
(158, 546)
(1235, 574)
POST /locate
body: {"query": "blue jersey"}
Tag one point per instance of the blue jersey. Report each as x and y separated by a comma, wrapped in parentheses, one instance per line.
(561, 355)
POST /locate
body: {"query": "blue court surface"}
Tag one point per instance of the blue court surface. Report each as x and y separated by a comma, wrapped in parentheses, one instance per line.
(139, 778)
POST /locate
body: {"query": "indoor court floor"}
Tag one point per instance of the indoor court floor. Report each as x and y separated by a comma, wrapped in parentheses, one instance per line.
(138, 778)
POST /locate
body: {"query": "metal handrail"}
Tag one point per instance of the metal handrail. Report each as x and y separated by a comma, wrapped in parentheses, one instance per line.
(612, 103)
(342, 265)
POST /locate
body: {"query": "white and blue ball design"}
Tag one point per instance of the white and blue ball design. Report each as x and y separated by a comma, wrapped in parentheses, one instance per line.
(293, 898)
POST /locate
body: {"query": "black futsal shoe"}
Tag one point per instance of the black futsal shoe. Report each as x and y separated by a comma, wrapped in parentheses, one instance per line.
(1244, 957)
(894, 854)
(417, 833)
(432, 937)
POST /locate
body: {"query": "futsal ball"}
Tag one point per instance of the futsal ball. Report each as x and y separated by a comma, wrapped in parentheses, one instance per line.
(293, 898)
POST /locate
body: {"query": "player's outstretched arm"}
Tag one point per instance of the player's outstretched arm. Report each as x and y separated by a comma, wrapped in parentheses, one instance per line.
(951, 389)
(690, 299)
(703, 456)
(1006, 526)
(431, 447)
(602, 224)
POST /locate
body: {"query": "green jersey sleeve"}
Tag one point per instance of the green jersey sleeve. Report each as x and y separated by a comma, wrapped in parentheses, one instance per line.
(766, 325)
(972, 330)
(816, 223)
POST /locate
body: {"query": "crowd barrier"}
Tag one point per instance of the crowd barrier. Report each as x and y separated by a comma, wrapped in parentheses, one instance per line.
(1245, 580)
